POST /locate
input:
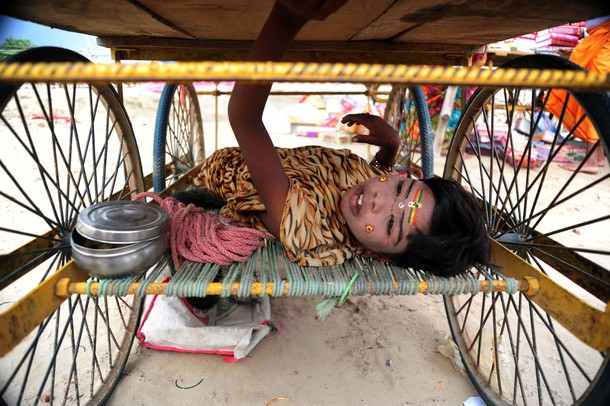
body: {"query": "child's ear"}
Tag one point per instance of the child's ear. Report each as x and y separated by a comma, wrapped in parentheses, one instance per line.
(380, 257)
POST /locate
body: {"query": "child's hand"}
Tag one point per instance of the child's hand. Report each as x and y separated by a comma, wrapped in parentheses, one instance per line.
(312, 9)
(380, 132)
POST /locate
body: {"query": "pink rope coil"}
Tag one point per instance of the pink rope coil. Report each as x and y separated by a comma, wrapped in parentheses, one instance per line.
(198, 235)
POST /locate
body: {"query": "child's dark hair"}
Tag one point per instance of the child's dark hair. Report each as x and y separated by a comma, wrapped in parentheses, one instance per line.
(457, 238)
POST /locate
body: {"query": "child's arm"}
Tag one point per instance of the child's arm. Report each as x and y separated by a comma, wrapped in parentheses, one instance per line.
(248, 102)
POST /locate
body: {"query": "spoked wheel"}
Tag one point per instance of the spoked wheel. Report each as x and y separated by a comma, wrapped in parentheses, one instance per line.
(178, 143)
(64, 147)
(514, 349)
(407, 112)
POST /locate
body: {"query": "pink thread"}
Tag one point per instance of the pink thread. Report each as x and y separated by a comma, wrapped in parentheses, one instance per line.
(198, 235)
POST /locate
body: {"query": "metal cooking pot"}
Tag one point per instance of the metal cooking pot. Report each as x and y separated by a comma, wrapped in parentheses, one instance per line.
(120, 238)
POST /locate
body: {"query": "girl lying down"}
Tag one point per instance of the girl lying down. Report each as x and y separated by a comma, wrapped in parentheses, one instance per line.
(325, 205)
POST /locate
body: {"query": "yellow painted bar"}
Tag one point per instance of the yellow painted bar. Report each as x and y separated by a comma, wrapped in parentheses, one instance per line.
(31, 310)
(301, 72)
(66, 288)
(590, 325)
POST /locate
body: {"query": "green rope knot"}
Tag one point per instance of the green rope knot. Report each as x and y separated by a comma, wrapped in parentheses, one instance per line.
(324, 308)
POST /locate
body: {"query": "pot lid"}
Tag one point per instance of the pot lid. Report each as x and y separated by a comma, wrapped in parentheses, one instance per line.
(122, 221)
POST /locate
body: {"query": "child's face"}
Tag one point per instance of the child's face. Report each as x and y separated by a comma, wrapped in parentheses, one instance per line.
(382, 211)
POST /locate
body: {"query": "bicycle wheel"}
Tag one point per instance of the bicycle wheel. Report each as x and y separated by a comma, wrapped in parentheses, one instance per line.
(178, 143)
(64, 147)
(507, 149)
(407, 111)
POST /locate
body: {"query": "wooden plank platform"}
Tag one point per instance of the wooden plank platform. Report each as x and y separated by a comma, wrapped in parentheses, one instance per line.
(388, 31)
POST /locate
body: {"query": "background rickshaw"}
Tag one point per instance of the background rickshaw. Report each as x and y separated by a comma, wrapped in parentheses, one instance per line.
(95, 158)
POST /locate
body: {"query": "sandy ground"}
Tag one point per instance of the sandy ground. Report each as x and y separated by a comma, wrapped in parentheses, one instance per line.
(373, 351)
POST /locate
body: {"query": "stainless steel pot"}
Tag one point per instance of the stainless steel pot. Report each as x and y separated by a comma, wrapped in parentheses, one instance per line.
(121, 238)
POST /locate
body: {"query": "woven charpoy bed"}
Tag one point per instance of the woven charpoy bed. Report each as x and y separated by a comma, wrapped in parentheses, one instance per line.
(268, 272)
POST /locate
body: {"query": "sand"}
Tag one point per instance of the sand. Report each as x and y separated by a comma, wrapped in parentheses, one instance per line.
(372, 351)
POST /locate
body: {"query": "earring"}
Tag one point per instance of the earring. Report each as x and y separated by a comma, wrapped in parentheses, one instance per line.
(383, 179)
(369, 228)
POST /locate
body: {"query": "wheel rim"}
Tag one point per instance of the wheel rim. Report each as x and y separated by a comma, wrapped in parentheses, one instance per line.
(65, 147)
(537, 359)
(401, 113)
(182, 133)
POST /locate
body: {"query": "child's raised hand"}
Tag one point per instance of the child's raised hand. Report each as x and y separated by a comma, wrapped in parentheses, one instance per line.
(312, 9)
(380, 132)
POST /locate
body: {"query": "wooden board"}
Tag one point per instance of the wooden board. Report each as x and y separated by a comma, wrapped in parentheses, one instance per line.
(378, 30)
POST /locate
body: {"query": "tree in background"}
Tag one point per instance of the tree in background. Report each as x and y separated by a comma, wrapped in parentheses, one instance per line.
(12, 46)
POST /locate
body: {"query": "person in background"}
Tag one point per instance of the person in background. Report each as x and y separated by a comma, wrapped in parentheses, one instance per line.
(593, 54)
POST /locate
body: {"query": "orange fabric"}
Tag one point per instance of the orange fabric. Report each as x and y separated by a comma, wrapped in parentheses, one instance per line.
(593, 54)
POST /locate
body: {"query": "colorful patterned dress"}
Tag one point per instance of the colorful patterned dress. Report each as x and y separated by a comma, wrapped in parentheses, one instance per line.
(312, 230)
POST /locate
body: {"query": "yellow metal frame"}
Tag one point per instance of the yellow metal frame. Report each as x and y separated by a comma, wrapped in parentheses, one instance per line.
(302, 72)
(589, 324)
(31, 310)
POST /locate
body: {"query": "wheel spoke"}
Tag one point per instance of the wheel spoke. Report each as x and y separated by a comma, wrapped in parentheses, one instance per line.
(66, 146)
(34, 208)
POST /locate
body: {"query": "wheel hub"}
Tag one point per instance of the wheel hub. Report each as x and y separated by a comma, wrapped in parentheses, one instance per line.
(515, 242)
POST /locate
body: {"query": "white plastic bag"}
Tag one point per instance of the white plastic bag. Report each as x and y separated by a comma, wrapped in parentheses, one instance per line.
(504, 364)
(171, 324)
